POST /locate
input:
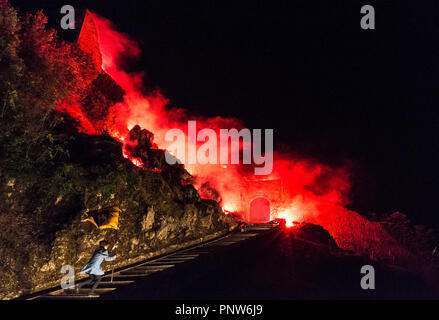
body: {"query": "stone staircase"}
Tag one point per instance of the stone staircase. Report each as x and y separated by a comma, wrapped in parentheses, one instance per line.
(129, 275)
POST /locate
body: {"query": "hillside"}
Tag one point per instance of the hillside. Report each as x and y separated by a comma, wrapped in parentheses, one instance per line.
(52, 176)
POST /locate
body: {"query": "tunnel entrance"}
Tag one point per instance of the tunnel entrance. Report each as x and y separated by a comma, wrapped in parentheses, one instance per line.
(259, 210)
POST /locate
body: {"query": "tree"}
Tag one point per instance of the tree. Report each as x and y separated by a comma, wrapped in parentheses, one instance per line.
(38, 70)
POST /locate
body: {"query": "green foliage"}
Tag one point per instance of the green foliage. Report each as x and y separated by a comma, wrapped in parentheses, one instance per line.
(43, 188)
(37, 70)
(11, 65)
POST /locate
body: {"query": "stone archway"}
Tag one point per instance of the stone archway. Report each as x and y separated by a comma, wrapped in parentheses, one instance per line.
(259, 210)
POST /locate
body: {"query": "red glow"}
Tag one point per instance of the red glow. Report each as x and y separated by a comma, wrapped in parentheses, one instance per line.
(308, 191)
(136, 161)
(289, 215)
(260, 210)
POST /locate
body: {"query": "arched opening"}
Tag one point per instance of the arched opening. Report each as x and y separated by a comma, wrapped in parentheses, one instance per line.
(259, 210)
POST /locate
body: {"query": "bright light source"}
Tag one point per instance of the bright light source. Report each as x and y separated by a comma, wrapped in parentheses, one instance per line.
(289, 215)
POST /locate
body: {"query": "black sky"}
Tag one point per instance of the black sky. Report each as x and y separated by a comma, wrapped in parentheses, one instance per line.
(329, 89)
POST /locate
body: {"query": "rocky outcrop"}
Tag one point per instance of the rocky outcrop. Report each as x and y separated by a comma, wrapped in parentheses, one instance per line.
(51, 176)
(316, 234)
(41, 237)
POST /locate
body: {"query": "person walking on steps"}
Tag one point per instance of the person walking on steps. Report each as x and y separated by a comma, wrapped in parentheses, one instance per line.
(93, 267)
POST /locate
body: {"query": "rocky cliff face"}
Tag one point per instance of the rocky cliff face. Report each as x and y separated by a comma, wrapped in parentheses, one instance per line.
(51, 176)
(44, 230)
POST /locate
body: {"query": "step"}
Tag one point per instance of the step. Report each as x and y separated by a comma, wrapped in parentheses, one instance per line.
(85, 291)
(245, 235)
(107, 283)
(68, 297)
(124, 275)
(136, 273)
(228, 243)
(146, 270)
(199, 251)
(188, 257)
(176, 258)
(171, 261)
(153, 266)
(261, 228)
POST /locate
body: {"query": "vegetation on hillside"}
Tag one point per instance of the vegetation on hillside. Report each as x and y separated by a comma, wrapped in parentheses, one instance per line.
(51, 175)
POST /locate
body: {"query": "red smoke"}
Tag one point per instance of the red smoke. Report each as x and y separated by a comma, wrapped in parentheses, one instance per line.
(305, 190)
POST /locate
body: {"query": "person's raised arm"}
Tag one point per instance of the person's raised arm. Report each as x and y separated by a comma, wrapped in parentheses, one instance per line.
(108, 258)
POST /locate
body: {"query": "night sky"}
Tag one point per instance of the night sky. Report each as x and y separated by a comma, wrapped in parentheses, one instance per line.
(329, 89)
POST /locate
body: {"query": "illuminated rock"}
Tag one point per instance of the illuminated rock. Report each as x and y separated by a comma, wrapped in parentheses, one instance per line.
(88, 40)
